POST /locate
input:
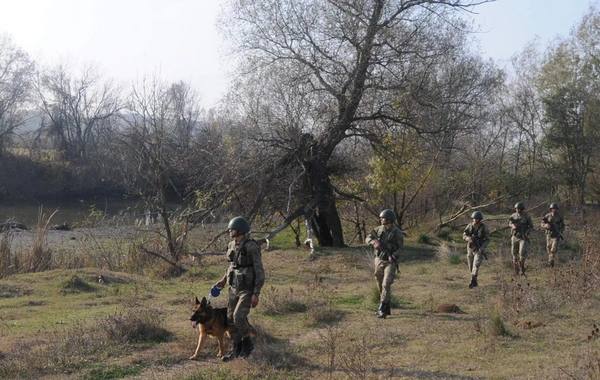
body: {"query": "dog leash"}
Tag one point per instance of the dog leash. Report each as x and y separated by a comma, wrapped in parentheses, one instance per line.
(215, 291)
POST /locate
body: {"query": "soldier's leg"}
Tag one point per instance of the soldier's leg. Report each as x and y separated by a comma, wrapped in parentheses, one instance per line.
(388, 279)
(240, 314)
(470, 259)
(552, 249)
(231, 306)
(379, 273)
(522, 254)
(476, 264)
(514, 250)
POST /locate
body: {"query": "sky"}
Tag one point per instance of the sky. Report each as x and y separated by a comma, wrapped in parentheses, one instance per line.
(178, 39)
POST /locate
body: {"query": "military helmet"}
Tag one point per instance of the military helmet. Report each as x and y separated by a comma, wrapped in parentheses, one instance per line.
(388, 214)
(239, 224)
(520, 206)
(553, 205)
(477, 215)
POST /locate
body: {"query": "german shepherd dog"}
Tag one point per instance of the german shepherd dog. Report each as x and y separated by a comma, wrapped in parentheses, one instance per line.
(212, 321)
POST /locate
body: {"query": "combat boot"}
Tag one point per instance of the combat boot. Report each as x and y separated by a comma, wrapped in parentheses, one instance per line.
(234, 352)
(522, 265)
(473, 282)
(383, 310)
(380, 310)
(247, 347)
(517, 268)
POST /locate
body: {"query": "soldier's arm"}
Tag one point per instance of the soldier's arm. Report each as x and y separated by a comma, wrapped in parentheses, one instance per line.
(561, 225)
(259, 270)
(399, 236)
(467, 234)
(530, 226)
(485, 239)
(372, 237)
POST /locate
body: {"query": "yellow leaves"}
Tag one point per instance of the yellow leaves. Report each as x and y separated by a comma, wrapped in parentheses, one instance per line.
(399, 165)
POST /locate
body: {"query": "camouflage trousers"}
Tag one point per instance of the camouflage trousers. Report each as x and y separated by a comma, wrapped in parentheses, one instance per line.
(238, 309)
(518, 249)
(474, 259)
(551, 247)
(385, 273)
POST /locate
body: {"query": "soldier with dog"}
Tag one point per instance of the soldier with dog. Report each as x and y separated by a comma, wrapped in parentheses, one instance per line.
(246, 277)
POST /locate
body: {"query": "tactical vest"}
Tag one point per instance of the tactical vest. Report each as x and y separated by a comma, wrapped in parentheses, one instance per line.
(241, 272)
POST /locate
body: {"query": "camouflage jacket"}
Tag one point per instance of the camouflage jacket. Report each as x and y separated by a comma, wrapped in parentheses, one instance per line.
(557, 220)
(523, 223)
(246, 271)
(392, 239)
(480, 232)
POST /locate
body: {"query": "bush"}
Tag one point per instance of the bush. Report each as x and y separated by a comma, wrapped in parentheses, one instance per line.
(498, 327)
(136, 326)
(448, 254)
(424, 239)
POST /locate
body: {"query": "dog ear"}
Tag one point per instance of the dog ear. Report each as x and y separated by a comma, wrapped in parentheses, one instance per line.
(204, 302)
(197, 302)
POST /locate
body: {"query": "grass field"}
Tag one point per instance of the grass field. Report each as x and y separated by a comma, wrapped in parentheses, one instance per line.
(315, 318)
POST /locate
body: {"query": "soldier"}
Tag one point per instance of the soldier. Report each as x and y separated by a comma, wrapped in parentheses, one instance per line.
(521, 225)
(387, 241)
(246, 277)
(477, 236)
(554, 224)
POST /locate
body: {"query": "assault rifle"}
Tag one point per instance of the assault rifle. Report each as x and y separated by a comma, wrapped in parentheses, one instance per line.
(384, 251)
(520, 233)
(553, 229)
(477, 246)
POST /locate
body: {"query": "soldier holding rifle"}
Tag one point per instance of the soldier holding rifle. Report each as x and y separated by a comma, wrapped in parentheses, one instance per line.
(387, 241)
(521, 225)
(477, 236)
(554, 225)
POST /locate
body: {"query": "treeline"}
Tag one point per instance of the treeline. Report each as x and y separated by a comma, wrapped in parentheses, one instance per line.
(339, 109)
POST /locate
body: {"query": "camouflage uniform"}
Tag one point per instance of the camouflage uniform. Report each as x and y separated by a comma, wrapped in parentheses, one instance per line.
(552, 238)
(482, 233)
(520, 239)
(246, 277)
(385, 271)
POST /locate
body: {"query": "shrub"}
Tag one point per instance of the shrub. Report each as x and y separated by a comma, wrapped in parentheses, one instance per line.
(498, 327)
(448, 254)
(276, 302)
(135, 326)
(424, 239)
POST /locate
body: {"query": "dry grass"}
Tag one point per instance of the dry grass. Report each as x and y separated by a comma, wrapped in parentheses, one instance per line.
(315, 319)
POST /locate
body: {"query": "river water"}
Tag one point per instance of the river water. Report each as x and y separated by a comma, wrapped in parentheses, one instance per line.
(77, 212)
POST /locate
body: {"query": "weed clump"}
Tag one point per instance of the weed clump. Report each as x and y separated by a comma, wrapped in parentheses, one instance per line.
(424, 239)
(136, 326)
(278, 302)
(449, 255)
(76, 285)
(498, 326)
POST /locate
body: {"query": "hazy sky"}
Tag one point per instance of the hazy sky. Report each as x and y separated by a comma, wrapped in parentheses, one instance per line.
(178, 39)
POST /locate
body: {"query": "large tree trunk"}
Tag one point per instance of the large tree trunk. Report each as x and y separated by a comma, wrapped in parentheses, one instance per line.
(325, 222)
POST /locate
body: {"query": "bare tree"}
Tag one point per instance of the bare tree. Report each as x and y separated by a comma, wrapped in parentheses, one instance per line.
(16, 70)
(78, 106)
(150, 150)
(342, 68)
